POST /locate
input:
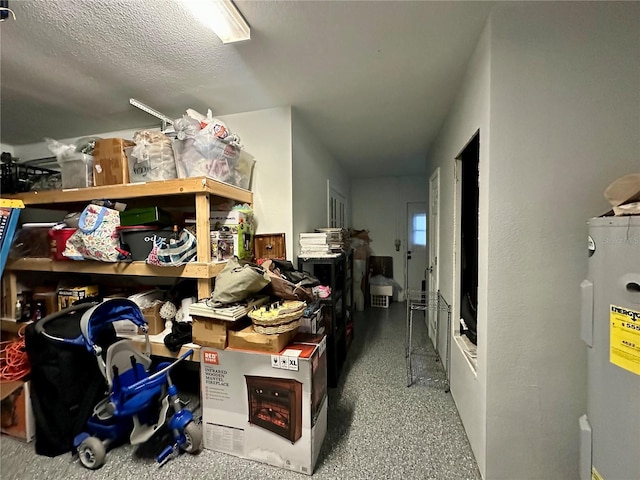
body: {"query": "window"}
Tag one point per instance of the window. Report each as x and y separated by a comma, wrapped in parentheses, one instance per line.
(420, 229)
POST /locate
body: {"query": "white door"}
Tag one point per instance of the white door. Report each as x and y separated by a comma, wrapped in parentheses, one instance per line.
(433, 267)
(337, 208)
(416, 245)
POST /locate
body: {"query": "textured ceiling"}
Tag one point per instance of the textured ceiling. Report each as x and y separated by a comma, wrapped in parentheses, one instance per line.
(372, 79)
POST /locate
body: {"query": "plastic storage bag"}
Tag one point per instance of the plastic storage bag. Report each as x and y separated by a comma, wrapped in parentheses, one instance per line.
(152, 157)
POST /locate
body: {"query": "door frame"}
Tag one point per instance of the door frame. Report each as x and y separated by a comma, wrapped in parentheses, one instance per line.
(433, 265)
(408, 231)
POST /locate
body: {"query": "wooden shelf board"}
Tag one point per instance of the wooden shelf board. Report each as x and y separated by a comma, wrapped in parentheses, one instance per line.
(162, 188)
(190, 270)
(8, 325)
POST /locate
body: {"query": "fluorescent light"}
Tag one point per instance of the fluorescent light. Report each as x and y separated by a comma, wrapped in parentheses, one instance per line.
(221, 16)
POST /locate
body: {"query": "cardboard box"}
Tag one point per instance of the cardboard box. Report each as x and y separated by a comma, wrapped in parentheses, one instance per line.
(222, 246)
(271, 408)
(313, 323)
(236, 223)
(248, 339)
(219, 219)
(240, 225)
(16, 411)
(68, 295)
(152, 316)
(110, 164)
(211, 332)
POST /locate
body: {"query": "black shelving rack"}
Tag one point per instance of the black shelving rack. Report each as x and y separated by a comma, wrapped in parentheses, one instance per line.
(337, 273)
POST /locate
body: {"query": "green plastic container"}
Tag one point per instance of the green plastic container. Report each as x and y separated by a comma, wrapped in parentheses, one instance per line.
(146, 216)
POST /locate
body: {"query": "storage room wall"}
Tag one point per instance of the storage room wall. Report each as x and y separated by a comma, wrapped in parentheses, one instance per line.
(565, 119)
(312, 167)
(266, 134)
(380, 206)
(469, 113)
(6, 148)
(564, 122)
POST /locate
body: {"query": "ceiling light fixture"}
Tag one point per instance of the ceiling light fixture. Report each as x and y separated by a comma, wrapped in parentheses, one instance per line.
(221, 16)
(146, 108)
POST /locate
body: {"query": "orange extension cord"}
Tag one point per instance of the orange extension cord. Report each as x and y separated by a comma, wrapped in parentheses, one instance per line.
(14, 363)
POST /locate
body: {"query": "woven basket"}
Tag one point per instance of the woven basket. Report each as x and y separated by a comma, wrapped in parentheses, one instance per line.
(278, 319)
(274, 329)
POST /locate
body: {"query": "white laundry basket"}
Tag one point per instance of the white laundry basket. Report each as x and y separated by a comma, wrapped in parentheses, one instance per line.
(380, 295)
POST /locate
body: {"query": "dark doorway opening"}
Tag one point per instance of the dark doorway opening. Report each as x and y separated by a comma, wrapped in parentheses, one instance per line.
(470, 159)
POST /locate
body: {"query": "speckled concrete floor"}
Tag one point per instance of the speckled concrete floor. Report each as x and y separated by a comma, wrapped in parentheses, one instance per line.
(378, 428)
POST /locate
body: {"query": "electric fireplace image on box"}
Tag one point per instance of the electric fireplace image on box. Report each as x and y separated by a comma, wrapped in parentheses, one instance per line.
(276, 405)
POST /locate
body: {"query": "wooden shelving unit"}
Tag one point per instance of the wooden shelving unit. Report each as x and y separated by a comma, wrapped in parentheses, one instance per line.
(195, 192)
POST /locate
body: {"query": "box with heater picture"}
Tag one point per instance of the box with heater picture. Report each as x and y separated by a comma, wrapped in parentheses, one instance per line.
(271, 408)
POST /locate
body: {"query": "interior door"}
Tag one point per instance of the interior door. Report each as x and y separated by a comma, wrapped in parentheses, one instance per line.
(434, 245)
(416, 245)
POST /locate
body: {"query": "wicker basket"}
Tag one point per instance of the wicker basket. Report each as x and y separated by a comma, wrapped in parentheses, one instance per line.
(277, 319)
(275, 329)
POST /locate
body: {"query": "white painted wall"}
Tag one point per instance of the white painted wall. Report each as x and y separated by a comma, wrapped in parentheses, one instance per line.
(266, 134)
(555, 86)
(469, 114)
(380, 206)
(565, 118)
(6, 148)
(312, 167)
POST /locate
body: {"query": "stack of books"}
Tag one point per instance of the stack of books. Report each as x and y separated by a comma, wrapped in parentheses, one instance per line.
(230, 313)
(314, 244)
(337, 238)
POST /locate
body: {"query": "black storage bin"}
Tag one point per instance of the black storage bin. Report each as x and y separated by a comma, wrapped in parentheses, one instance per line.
(139, 239)
(66, 382)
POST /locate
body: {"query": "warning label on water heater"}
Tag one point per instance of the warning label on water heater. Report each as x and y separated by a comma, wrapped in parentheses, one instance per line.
(624, 338)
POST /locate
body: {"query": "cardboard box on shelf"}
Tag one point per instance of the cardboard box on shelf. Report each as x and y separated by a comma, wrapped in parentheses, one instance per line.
(235, 225)
(154, 320)
(211, 332)
(68, 295)
(16, 411)
(222, 246)
(271, 408)
(110, 164)
(248, 339)
(231, 218)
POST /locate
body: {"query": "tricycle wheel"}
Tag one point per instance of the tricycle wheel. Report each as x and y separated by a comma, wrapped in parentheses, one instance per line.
(92, 453)
(193, 437)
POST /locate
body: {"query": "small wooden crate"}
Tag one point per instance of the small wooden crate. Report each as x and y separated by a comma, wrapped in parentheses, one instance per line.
(270, 245)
